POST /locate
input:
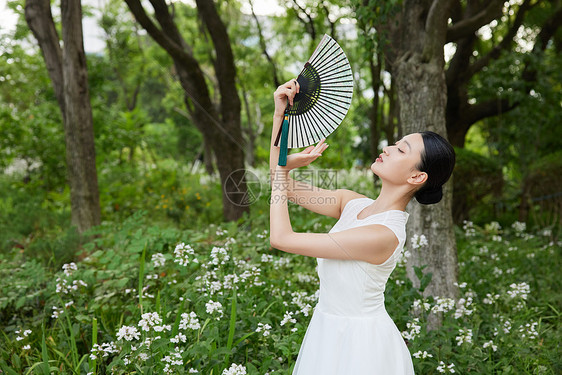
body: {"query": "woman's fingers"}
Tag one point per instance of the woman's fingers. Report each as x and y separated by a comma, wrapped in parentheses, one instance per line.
(292, 88)
(319, 145)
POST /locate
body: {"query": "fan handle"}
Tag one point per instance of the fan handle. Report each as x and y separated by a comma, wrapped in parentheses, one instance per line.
(284, 141)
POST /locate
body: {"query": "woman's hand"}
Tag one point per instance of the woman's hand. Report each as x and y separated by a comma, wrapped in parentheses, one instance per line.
(288, 90)
(305, 157)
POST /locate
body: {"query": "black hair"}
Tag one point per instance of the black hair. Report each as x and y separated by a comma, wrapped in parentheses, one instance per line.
(437, 160)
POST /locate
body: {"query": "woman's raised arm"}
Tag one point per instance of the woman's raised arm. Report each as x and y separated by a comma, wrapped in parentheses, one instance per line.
(322, 201)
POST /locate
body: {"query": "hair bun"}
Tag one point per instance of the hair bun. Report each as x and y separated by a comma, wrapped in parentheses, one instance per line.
(429, 196)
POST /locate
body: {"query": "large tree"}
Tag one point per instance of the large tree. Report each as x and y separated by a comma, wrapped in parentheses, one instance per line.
(218, 122)
(68, 72)
(413, 35)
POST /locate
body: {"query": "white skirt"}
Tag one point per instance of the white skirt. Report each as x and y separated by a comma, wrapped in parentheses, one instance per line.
(341, 345)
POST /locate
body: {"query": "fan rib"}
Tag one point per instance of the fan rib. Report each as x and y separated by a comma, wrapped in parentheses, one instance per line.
(319, 126)
(342, 96)
(333, 104)
(323, 129)
(332, 111)
(321, 56)
(336, 61)
(337, 74)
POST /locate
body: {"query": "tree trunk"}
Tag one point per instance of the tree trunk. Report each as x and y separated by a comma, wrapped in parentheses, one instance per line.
(218, 122)
(68, 72)
(79, 125)
(375, 125)
(249, 130)
(422, 96)
(422, 93)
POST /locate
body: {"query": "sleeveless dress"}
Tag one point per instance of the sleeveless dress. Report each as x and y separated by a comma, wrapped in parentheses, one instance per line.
(350, 332)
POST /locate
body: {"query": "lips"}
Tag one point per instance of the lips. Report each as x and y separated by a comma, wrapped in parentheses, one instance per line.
(379, 159)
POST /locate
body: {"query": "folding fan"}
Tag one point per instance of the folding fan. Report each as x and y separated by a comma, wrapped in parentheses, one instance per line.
(326, 88)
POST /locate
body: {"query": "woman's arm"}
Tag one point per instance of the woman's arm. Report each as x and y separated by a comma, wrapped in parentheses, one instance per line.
(370, 243)
(322, 201)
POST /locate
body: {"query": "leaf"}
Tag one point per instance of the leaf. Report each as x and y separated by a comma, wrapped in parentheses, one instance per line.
(16, 361)
(20, 302)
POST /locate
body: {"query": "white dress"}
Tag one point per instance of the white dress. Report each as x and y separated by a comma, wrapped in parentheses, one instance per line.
(350, 332)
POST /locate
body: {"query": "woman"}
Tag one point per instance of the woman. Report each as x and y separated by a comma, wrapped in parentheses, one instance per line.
(350, 332)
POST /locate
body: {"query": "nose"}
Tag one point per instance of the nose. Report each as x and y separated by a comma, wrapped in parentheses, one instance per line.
(385, 150)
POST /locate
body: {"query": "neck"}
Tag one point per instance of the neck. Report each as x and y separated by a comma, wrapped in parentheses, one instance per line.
(391, 198)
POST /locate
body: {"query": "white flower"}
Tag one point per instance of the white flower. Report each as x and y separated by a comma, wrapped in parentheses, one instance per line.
(64, 286)
(507, 326)
(105, 349)
(519, 227)
(468, 228)
(421, 304)
(149, 320)
(174, 359)
(219, 255)
(266, 258)
(490, 343)
(494, 226)
(69, 268)
(415, 330)
(26, 347)
(189, 321)
(444, 368)
(281, 262)
(422, 355)
(288, 318)
(235, 370)
(179, 337)
(128, 333)
(529, 330)
(183, 254)
(490, 299)
(56, 312)
(521, 289)
(264, 328)
(443, 305)
(214, 306)
(158, 259)
(418, 241)
(462, 308)
(465, 335)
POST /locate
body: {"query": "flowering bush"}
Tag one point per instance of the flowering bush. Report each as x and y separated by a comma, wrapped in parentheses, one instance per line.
(219, 299)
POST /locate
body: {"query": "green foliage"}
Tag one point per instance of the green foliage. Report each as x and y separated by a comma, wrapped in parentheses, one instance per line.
(542, 187)
(234, 265)
(477, 186)
(153, 198)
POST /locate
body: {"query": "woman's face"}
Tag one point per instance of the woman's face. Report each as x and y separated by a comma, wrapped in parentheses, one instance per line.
(397, 163)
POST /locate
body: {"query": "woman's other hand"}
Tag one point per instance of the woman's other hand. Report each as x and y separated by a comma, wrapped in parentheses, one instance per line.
(305, 157)
(288, 90)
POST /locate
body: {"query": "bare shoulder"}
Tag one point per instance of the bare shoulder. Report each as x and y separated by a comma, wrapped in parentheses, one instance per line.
(347, 195)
